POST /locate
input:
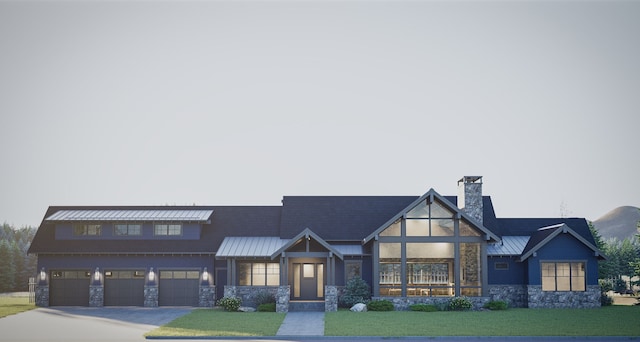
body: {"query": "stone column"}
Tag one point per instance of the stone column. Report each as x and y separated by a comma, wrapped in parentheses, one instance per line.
(282, 298)
(42, 296)
(96, 295)
(230, 291)
(330, 298)
(207, 296)
(151, 296)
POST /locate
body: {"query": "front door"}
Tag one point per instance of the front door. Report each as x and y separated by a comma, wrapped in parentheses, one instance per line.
(308, 281)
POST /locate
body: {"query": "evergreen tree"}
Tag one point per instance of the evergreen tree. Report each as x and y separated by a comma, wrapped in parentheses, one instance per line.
(19, 283)
(7, 269)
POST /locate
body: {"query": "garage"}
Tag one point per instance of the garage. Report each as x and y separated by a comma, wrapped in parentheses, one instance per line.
(178, 288)
(69, 288)
(124, 287)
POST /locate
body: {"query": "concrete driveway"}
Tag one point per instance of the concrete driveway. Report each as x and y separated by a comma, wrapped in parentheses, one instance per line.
(86, 324)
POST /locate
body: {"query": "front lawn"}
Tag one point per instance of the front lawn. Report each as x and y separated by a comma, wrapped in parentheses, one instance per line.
(606, 321)
(215, 322)
(13, 305)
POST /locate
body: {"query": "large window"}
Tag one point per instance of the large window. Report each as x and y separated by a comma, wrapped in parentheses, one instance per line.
(352, 270)
(167, 229)
(259, 273)
(430, 251)
(81, 229)
(127, 229)
(563, 276)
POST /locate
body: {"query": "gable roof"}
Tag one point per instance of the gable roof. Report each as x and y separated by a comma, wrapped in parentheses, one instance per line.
(432, 195)
(307, 233)
(544, 235)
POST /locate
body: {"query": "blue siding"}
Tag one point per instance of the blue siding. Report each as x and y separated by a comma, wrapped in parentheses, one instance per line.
(50, 262)
(563, 247)
(190, 231)
(514, 275)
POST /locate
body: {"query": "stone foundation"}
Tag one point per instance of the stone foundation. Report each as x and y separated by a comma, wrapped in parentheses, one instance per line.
(282, 298)
(151, 296)
(207, 296)
(516, 296)
(42, 296)
(564, 299)
(330, 298)
(96, 295)
(247, 293)
(403, 303)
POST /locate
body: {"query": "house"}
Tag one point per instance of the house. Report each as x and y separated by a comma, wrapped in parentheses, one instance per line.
(410, 249)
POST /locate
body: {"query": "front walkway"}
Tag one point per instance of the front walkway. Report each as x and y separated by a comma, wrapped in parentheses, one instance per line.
(302, 324)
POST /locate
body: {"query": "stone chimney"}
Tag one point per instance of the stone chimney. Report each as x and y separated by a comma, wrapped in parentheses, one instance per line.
(470, 196)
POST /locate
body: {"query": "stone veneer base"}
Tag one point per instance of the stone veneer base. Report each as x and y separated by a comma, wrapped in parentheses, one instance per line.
(96, 295)
(151, 296)
(403, 303)
(42, 296)
(564, 299)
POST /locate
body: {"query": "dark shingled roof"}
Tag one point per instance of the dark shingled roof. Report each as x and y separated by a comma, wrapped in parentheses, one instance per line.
(339, 217)
(530, 226)
(226, 221)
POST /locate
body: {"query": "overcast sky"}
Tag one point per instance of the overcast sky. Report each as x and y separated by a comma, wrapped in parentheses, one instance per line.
(244, 102)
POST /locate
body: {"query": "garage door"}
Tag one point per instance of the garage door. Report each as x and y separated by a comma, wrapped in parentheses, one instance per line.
(69, 288)
(124, 287)
(178, 288)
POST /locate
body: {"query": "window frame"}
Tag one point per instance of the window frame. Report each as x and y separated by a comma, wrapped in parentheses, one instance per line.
(86, 229)
(572, 286)
(348, 263)
(253, 275)
(128, 232)
(168, 230)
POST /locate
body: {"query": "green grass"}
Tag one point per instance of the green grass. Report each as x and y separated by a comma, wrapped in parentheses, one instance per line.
(606, 321)
(13, 305)
(215, 322)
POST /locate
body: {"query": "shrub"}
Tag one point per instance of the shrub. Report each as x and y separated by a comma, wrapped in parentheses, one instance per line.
(460, 304)
(496, 305)
(619, 285)
(356, 291)
(606, 285)
(380, 305)
(263, 297)
(267, 307)
(230, 303)
(423, 307)
(605, 299)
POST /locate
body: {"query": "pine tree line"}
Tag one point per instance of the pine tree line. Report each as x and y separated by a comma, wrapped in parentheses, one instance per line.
(15, 265)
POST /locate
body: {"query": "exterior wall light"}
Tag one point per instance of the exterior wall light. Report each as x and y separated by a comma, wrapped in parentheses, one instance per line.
(205, 275)
(43, 275)
(152, 275)
(96, 275)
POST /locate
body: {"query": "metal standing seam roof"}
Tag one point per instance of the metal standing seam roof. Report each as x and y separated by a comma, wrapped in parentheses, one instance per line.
(194, 215)
(250, 246)
(511, 245)
(349, 249)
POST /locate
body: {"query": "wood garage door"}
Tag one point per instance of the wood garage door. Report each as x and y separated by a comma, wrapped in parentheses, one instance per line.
(69, 288)
(124, 287)
(178, 288)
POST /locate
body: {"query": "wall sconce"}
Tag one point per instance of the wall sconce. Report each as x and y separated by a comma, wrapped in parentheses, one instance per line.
(205, 275)
(43, 275)
(96, 274)
(152, 275)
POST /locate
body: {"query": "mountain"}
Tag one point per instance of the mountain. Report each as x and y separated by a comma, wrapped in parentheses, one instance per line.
(621, 223)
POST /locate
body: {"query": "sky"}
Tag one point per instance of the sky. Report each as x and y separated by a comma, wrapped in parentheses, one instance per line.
(244, 102)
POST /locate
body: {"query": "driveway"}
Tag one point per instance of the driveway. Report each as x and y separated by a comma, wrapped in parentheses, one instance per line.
(86, 324)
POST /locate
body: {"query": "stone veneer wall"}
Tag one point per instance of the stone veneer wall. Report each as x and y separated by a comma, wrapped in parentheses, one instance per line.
(282, 298)
(96, 295)
(403, 303)
(564, 299)
(207, 296)
(246, 293)
(330, 298)
(42, 296)
(151, 296)
(515, 295)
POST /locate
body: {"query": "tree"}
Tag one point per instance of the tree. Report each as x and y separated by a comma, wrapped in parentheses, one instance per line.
(7, 269)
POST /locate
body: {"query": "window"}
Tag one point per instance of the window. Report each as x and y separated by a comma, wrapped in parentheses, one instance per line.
(352, 269)
(563, 276)
(127, 229)
(501, 266)
(87, 229)
(259, 273)
(167, 229)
